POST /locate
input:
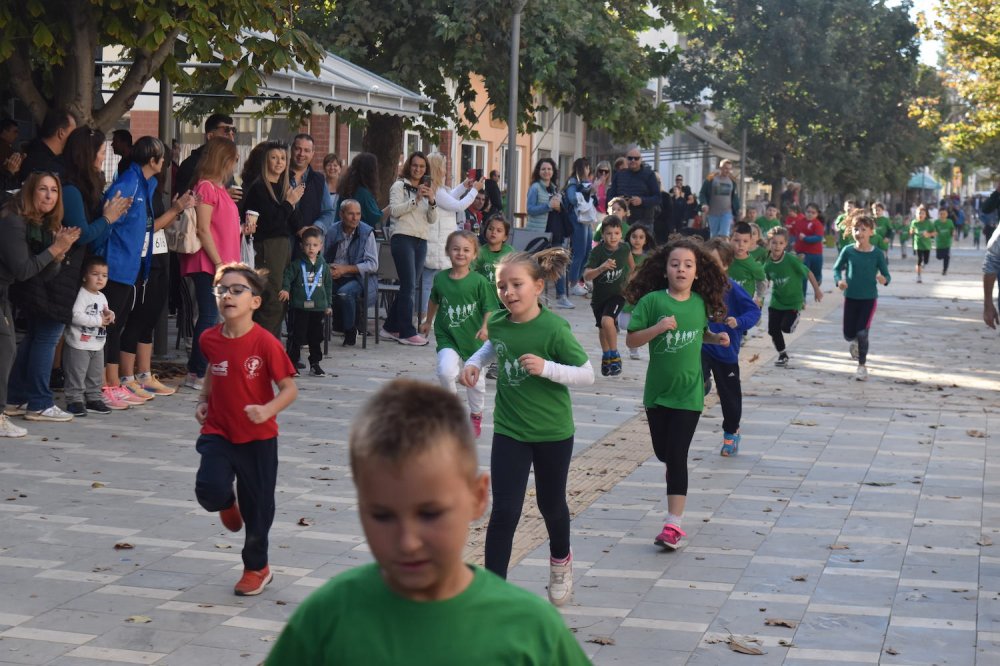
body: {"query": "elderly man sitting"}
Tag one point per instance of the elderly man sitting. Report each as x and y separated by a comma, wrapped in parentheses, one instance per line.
(352, 255)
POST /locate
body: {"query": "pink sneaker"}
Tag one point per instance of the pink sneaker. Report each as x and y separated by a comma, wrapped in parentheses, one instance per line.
(126, 396)
(414, 341)
(671, 538)
(477, 423)
(111, 399)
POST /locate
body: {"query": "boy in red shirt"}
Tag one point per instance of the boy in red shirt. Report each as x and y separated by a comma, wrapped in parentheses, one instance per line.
(237, 409)
(808, 234)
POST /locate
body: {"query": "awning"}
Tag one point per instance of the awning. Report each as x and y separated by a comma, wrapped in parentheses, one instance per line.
(718, 147)
(921, 181)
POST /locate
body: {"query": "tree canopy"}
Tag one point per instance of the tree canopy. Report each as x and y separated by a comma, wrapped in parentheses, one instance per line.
(821, 86)
(47, 49)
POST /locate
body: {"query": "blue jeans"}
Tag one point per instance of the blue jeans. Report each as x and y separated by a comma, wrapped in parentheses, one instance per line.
(426, 283)
(208, 316)
(346, 295)
(409, 253)
(581, 251)
(814, 262)
(719, 225)
(29, 378)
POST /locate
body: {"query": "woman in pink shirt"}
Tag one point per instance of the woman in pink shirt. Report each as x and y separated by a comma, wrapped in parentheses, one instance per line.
(219, 233)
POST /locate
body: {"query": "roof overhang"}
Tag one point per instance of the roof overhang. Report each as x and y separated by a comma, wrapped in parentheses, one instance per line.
(716, 145)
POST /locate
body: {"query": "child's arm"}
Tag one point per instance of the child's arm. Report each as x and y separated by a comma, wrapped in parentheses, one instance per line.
(201, 411)
(432, 308)
(287, 393)
(721, 338)
(286, 282)
(81, 318)
(631, 263)
(838, 268)
(815, 285)
(328, 286)
(561, 373)
(639, 338)
(760, 292)
(745, 314)
(883, 276)
(484, 330)
(470, 373)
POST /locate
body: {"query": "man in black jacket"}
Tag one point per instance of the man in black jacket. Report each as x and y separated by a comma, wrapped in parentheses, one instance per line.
(44, 153)
(492, 189)
(638, 184)
(217, 125)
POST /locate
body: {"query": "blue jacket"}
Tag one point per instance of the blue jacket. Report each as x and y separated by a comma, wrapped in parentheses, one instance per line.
(362, 252)
(747, 314)
(121, 244)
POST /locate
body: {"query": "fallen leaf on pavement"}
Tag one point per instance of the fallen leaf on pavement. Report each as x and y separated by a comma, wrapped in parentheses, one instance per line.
(879, 484)
(743, 648)
(891, 651)
(601, 640)
(779, 622)
(223, 546)
(97, 484)
(802, 422)
(839, 546)
(985, 541)
(270, 638)
(975, 433)
(785, 643)
(305, 522)
(139, 619)
(121, 545)
(800, 579)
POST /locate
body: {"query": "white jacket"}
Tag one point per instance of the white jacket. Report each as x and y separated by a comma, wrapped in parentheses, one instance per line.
(87, 332)
(408, 216)
(449, 206)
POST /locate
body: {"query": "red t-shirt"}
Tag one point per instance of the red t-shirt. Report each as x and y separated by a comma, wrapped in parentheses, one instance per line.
(810, 228)
(242, 371)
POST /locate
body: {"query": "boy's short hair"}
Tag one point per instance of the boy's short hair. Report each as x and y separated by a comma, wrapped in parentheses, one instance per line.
(610, 221)
(255, 278)
(406, 418)
(311, 232)
(502, 220)
(723, 247)
(93, 260)
(743, 228)
(777, 231)
(772, 205)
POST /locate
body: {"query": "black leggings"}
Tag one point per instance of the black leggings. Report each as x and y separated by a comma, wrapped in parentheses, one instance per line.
(510, 462)
(944, 254)
(672, 431)
(780, 322)
(121, 300)
(858, 315)
(727, 383)
(150, 300)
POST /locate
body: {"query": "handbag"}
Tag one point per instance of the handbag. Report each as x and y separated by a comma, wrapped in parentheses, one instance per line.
(247, 253)
(182, 233)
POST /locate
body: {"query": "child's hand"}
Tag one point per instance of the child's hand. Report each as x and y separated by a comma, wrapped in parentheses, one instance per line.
(533, 364)
(881, 279)
(731, 322)
(842, 285)
(283, 296)
(257, 413)
(328, 311)
(723, 339)
(666, 324)
(610, 264)
(201, 413)
(425, 327)
(469, 376)
(819, 295)
(483, 333)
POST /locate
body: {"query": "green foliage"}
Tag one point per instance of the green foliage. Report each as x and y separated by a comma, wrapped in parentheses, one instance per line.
(47, 49)
(823, 88)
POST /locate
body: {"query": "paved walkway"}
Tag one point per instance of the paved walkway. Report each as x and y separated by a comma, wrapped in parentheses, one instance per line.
(897, 470)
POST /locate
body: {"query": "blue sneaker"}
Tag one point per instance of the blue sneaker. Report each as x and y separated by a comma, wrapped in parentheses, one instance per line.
(730, 444)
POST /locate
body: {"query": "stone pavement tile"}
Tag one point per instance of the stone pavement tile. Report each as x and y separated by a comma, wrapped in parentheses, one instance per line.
(657, 634)
(859, 591)
(719, 654)
(143, 638)
(200, 655)
(612, 655)
(23, 651)
(831, 631)
(922, 646)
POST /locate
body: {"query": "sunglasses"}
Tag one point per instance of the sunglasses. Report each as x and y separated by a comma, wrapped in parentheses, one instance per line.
(226, 129)
(603, 171)
(632, 159)
(234, 289)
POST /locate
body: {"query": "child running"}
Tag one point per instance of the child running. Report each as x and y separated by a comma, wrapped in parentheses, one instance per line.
(769, 220)
(862, 265)
(538, 357)
(902, 229)
(415, 467)
(609, 266)
(496, 248)
(922, 231)
(237, 410)
(642, 243)
(307, 287)
(465, 300)
(83, 353)
(742, 314)
(785, 272)
(944, 229)
(674, 291)
(758, 243)
(744, 269)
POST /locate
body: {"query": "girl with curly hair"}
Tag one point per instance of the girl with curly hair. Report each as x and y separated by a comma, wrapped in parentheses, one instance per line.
(676, 292)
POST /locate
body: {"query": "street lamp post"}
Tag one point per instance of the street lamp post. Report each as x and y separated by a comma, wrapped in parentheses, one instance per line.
(515, 58)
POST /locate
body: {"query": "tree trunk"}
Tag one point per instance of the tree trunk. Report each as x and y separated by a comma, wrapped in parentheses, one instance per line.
(777, 179)
(384, 139)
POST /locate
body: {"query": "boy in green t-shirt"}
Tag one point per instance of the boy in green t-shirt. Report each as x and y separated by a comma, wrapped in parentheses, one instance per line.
(767, 222)
(883, 228)
(945, 229)
(307, 287)
(922, 231)
(609, 266)
(902, 229)
(415, 466)
(785, 272)
(745, 270)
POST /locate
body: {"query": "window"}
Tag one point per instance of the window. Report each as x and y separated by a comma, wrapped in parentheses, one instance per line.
(355, 135)
(412, 143)
(473, 156)
(567, 122)
(565, 168)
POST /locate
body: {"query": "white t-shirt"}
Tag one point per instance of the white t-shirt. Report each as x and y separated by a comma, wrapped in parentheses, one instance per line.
(86, 331)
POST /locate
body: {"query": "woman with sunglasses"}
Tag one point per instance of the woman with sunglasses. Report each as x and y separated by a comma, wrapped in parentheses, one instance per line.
(602, 180)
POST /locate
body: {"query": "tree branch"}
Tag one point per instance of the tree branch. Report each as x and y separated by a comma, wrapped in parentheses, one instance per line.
(23, 83)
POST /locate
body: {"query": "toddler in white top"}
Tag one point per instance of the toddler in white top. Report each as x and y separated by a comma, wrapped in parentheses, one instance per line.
(83, 353)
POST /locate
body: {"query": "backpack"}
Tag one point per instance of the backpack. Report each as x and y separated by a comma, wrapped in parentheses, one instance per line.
(182, 233)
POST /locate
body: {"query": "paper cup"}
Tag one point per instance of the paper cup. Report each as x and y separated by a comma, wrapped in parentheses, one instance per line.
(251, 216)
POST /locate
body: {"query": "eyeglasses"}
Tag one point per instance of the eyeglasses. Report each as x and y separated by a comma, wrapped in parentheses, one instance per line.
(234, 289)
(226, 129)
(632, 158)
(678, 180)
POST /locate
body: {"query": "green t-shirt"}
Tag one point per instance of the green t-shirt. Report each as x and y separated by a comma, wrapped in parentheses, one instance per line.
(747, 273)
(759, 254)
(945, 233)
(673, 375)
(609, 283)
(530, 408)
(860, 268)
(883, 226)
(840, 229)
(462, 305)
(766, 224)
(902, 228)
(637, 259)
(917, 229)
(786, 276)
(876, 239)
(486, 262)
(355, 619)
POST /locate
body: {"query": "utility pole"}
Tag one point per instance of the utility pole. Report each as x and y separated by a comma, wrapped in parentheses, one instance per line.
(515, 62)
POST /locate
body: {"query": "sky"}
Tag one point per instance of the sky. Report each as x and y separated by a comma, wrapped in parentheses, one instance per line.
(929, 48)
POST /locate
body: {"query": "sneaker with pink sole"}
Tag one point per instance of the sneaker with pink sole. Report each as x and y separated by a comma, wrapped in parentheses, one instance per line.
(477, 424)
(111, 398)
(671, 538)
(126, 396)
(414, 340)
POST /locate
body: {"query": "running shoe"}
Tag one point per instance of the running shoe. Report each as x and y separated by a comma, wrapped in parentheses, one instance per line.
(491, 371)
(413, 341)
(579, 289)
(633, 353)
(253, 582)
(135, 388)
(15, 410)
(861, 375)
(231, 518)
(193, 381)
(112, 400)
(919, 279)
(564, 303)
(52, 414)
(316, 371)
(615, 365)
(152, 383)
(97, 407)
(855, 350)
(560, 581)
(671, 538)
(605, 366)
(730, 444)
(477, 423)
(76, 409)
(8, 429)
(782, 360)
(350, 337)
(387, 335)
(127, 396)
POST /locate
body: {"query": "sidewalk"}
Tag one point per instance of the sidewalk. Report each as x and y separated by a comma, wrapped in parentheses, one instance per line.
(812, 438)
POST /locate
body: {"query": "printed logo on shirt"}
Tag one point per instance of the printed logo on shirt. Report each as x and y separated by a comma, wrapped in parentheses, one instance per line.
(780, 281)
(87, 333)
(612, 276)
(220, 369)
(672, 342)
(509, 369)
(253, 366)
(457, 314)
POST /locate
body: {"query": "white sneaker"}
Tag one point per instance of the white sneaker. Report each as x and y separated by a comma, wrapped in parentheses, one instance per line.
(15, 410)
(53, 414)
(193, 381)
(855, 350)
(578, 290)
(862, 374)
(8, 429)
(633, 353)
(564, 303)
(561, 582)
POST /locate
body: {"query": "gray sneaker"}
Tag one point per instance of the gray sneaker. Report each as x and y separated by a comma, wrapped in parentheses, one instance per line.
(564, 303)
(8, 429)
(560, 582)
(53, 414)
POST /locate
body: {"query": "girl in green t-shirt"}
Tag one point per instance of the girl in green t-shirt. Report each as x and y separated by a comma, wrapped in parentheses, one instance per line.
(497, 232)
(922, 231)
(538, 358)
(465, 300)
(642, 244)
(675, 292)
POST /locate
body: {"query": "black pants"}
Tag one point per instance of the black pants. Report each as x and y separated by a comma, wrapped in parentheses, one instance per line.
(672, 431)
(944, 254)
(858, 315)
(254, 465)
(727, 383)
(510, 463)
(149, 302)
(307, 327)
(780, 322)
(121, 300)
